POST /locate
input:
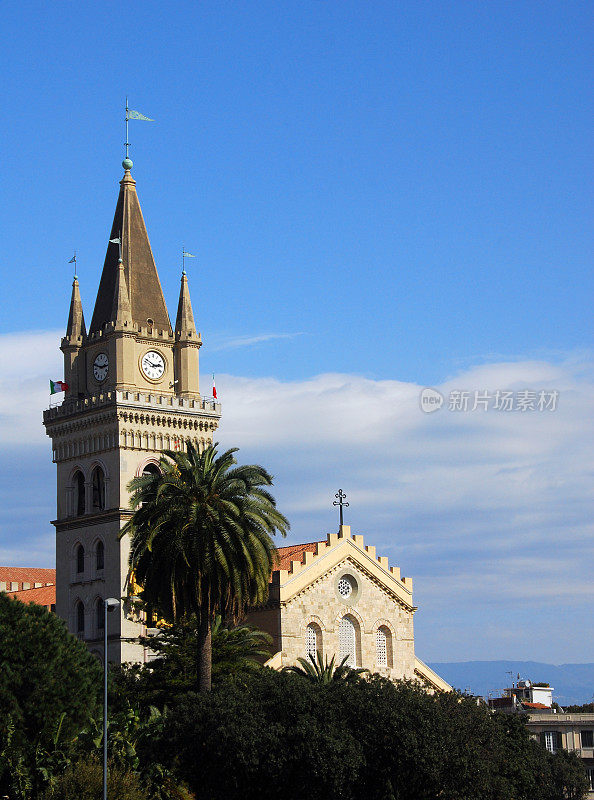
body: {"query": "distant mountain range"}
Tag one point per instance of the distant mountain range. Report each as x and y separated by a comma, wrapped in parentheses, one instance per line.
(573, 683)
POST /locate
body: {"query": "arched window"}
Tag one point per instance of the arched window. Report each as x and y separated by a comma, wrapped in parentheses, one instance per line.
(151, 469)
(383, 645)
(80, 559)
(98, 482)
(100, 555)
(348, 640)
(80, 617)
(313, 639)
(79, 494)
(100, 615)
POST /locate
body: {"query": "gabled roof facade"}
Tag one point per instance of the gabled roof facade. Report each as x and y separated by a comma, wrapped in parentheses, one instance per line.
(337, 596)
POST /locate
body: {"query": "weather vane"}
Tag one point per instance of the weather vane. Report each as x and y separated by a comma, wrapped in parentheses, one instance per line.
(340, 503)
(118, 241)
(73, 261)
(185, 255)
(131, 114)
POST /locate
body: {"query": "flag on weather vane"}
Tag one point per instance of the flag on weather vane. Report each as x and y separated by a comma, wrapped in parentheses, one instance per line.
(131, 114)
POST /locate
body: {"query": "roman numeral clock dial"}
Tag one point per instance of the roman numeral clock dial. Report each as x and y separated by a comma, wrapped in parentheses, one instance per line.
(153, 365)
(100, 367)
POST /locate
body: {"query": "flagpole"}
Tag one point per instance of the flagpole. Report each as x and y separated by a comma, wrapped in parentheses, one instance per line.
(127, 143)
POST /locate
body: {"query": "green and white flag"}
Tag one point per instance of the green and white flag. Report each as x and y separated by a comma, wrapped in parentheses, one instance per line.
(185, 254)
(131, 114)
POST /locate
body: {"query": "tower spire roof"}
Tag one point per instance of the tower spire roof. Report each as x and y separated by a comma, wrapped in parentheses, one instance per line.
(121, 314)
(146, 302)
(76, 330)
(184, 323)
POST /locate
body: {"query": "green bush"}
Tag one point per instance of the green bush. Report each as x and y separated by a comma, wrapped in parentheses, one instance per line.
(50, 687)
(84, 781)
(271, 734)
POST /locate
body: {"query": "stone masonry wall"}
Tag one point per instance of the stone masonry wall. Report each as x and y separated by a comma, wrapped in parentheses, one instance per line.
(372, 606)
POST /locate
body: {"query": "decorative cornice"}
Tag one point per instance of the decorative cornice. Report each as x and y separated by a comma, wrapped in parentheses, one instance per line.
(87, 520)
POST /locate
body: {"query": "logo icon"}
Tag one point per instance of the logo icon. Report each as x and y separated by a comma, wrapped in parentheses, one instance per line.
(430, 400)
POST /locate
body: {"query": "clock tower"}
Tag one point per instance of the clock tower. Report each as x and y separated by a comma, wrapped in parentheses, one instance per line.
(133, 392)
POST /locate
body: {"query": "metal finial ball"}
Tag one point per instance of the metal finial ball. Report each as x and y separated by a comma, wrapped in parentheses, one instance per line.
(127, 163)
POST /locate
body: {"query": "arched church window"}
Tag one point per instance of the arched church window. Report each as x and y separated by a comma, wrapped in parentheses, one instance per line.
(79, 494)
(100, 556)
(100, 615)
(80, 559)
(313, 640)
(80, 617)
(98, 482)
(151, 469)
(348, 635)
(383, 644)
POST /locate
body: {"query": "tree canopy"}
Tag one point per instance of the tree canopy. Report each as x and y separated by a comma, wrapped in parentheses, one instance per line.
(270, 734)
(50, 687)
(202, 539)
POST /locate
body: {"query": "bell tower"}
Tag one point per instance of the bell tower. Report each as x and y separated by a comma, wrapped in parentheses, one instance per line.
(133, 392)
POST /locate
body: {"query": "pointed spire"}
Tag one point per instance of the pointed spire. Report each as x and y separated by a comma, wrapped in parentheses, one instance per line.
(145, 294)
(184, 323)
(121, 314)
(76, 330)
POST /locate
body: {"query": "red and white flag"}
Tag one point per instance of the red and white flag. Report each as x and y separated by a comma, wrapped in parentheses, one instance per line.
(214, 388)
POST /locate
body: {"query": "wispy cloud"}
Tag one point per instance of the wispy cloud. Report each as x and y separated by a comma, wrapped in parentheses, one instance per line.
(233, 342)
(489, 512)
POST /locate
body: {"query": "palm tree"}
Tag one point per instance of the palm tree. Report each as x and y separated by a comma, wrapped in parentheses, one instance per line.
(238, 649)
(235, 650)
(314, 670)
(201, 539)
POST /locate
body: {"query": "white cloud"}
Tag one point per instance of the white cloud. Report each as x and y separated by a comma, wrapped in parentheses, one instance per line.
(486, 510)
(27, 363)
(230, 343)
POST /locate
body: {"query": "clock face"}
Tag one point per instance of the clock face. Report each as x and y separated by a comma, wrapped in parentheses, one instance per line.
(153, 365)
(101, 367)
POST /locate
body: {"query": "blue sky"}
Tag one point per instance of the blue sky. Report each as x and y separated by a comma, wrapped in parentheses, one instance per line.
(398, 194)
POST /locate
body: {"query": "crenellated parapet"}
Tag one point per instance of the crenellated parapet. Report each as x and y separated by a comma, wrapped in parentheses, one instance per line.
(325, 555)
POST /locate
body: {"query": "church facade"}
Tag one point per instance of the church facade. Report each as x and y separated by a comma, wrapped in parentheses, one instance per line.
(338, 598)
(133, 391)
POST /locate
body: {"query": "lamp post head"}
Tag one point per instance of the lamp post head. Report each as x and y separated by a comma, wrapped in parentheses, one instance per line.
(111, 603)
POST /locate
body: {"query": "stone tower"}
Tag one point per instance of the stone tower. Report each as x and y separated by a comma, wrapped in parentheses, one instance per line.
(133, 392)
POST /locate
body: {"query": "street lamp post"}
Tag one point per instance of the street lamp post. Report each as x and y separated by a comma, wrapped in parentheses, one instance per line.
(108, 605)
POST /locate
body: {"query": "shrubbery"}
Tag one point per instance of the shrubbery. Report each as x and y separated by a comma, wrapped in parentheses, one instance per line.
(259, 733)
(273, 733)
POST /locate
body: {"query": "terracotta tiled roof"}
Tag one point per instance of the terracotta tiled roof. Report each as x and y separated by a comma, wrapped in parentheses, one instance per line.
(294, 552)
(534, 705)
(30, 575)
(43, 596)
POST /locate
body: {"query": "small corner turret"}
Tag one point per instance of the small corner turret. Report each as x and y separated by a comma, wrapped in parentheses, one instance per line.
(187, 344)
(76, 334)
